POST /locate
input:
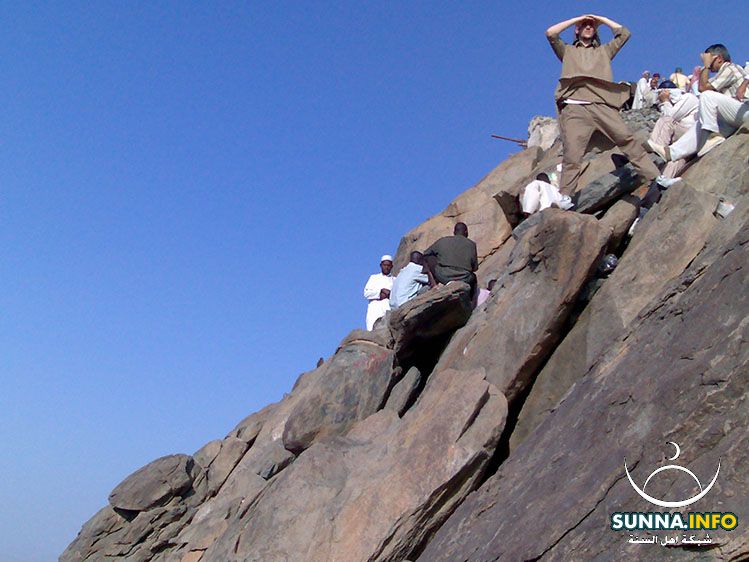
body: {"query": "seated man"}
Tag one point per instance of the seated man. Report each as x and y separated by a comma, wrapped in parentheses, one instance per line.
(678, 115)
(484, 294)
(410, 281)
(454, 258)
(722, 109)
(540, 194)
(377, 291)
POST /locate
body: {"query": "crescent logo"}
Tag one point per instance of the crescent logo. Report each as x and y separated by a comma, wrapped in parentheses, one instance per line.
(676, 467)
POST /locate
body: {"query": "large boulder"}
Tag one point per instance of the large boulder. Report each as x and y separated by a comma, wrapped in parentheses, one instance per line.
(349, 387)
(511, 335)
(724, 171)
(154, 484)
(487, 226)
(432, 315)
(666, 241)
(378, 493)
(678, 374)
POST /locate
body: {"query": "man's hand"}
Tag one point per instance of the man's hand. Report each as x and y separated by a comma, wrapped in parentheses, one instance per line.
(707, 59)
(384, 294)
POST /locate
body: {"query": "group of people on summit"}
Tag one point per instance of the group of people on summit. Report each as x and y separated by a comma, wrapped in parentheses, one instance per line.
(698, 113)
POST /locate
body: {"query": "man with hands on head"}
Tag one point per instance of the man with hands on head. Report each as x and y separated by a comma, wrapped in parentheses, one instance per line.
(588, 99)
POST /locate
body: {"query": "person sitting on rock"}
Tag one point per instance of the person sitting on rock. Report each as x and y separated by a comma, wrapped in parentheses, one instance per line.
(678, 114)
(484, 294)
(540, 194)
(589, 100)
(453, 258)
(723, 107)
(377, 291)
(412, 280)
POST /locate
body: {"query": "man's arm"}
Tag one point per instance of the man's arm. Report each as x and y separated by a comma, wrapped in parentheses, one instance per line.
(704, 82)
(741, 92)
(372, 289)
(552, 34)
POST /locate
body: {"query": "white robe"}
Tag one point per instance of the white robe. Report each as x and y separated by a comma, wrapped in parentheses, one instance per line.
(377, 308)
(539, 195)
(641, 94)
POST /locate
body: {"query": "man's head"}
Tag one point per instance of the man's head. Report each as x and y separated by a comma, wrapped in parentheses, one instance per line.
(657, 75)
(417, 257)
(543, 177)
(646, 75)
(461, 229)
(586, 32)
(720, 54)
(386, 264)
(678, 70)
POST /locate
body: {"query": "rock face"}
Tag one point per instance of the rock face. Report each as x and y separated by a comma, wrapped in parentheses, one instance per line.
(500, 432)
(153, 484)
(701, 390)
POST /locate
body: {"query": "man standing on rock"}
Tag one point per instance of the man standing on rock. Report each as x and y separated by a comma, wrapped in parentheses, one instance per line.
(589, 100)
(454, 258)
(377, 291)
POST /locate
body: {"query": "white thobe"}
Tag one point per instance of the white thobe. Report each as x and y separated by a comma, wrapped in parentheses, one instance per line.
(539, 195)
(641, 93)
(377, 308)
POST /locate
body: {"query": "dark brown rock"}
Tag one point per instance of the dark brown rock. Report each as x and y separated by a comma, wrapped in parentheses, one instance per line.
(404, 392)
(679, 375)
(666, 241)
(349, 387)
(382, 489)
(603, 191)
(724, 171)
(436, 313)
(618, 219)
(154, 484)
(521, 323)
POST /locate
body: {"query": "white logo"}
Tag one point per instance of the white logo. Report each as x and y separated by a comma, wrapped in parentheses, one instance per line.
(662, 503)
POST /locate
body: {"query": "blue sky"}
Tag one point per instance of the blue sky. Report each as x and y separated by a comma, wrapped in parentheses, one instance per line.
(193, 196)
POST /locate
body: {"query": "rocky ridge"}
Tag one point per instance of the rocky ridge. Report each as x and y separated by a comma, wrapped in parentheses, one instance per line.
(497, 433)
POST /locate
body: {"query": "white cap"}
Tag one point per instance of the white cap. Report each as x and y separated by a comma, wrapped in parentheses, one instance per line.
(386, 257)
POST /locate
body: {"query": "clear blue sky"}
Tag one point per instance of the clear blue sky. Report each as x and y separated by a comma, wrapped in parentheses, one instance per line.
(193, 195)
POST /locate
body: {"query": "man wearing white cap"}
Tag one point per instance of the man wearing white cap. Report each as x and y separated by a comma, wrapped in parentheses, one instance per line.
(377, 291)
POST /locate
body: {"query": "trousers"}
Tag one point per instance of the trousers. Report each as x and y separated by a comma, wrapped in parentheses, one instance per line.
(578, 122)
(718, 113)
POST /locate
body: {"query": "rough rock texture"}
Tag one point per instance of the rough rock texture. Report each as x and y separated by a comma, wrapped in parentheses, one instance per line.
(487, 226)
(376, 493)
(731, 160)
(668, 239)
(349, 387)
(404, 392)
(601, 192)
(155, 483)
(519, 324)
(504, 438)
(695, 394)
(431, 315)
(618, 219)
(542, 132)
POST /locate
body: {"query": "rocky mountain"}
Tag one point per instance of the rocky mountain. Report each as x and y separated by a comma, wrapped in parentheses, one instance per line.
(497, 433)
